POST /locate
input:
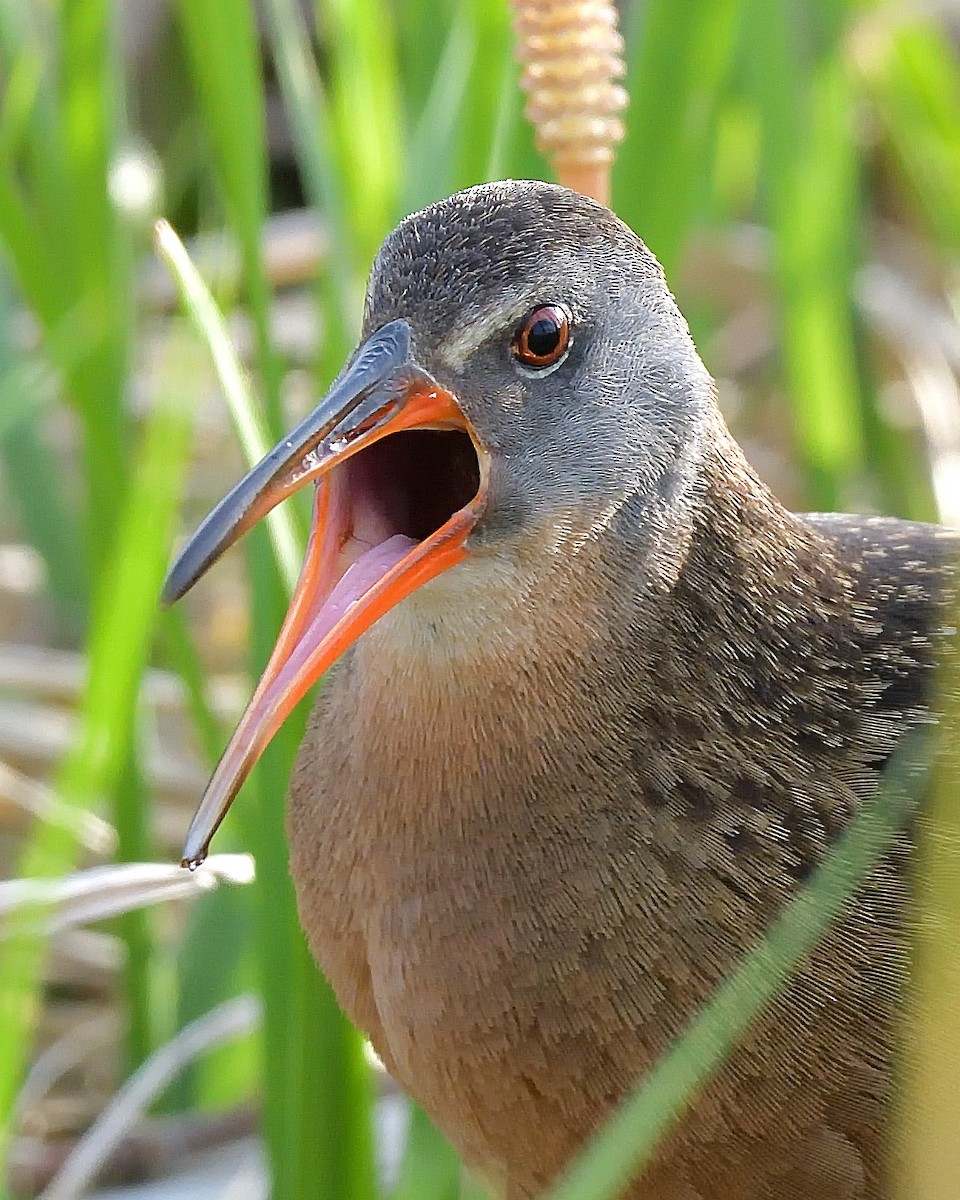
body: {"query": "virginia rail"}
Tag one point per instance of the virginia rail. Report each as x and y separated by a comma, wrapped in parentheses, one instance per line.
(611, 704)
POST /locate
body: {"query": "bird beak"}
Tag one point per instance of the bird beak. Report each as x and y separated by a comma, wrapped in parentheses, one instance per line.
(390, 513)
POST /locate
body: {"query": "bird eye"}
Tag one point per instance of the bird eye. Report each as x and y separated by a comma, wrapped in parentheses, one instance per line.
(543, 337)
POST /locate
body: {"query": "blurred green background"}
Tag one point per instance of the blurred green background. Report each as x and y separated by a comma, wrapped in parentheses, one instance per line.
(795, 164)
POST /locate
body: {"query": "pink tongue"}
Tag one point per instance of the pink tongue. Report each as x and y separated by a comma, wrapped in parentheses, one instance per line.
(358, 578)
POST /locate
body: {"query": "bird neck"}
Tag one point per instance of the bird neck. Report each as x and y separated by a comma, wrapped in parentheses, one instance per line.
(726, 566)
(762, 699)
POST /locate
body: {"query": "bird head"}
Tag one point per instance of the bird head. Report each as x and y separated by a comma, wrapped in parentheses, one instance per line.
(522, 376)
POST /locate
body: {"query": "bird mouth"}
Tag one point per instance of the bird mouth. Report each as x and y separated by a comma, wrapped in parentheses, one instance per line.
(401, 480)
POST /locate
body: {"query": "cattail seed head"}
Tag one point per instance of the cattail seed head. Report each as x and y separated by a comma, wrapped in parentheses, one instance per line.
(571, 51)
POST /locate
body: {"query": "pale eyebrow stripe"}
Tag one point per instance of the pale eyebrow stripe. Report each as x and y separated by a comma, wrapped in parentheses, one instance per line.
(454, 351)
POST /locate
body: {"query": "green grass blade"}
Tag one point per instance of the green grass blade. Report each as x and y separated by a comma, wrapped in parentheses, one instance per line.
(928, 1118)
(221, 40)
(98, 244)
(223, 919)
(30, 259)
(129, 806)
(183, 656)
(34, 149)
(456, 134)
(492, 101)
(366, 108)
(430, 156)
(248, 422)
(431, 1169)
(679, 62)
(816, 223)
(336, 1082)
(422, 28)
(311, 119)
(811, 200)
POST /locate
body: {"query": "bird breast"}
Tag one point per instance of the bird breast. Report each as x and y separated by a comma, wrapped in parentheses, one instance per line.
(444, 857)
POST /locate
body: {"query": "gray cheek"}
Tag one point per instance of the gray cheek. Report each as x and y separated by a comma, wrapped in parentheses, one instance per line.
(511, 505)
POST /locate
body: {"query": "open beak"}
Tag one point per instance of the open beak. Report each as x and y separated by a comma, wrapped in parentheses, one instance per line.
(400, 483)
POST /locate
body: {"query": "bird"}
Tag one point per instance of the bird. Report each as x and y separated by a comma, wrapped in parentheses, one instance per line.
(595, 706)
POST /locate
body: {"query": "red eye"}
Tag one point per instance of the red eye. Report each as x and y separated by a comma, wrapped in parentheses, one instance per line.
(543, 337)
